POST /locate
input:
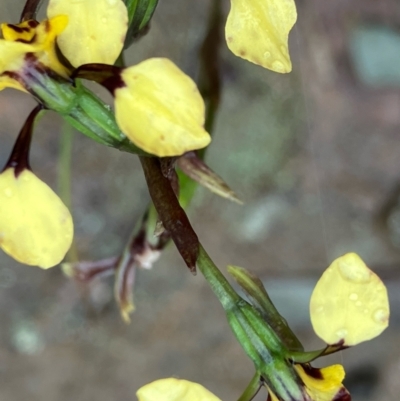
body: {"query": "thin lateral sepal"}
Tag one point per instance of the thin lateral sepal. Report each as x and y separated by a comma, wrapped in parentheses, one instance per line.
(252, 388)
(309, 356)
(30, 10)
(19, 158)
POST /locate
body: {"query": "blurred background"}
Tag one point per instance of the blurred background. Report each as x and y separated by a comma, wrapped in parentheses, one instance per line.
(315, 156)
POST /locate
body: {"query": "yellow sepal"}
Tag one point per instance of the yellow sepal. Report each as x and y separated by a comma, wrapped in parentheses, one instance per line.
(174, 390)
(12, 59)
(257, 30)
(349, 303)
(327, 386)
(35, 226)
(96, 30)
(160, 109)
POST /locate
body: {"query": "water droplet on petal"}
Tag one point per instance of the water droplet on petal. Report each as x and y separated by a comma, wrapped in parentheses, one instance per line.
(278, 66)
(353, 269)
(353, 297)
(8, 192)
(267, 55)
(380, 316)
(366, 310)
(342, 333)
(358, 303)
(319, 309)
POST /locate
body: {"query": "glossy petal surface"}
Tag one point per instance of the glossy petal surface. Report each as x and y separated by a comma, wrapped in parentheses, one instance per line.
(324, 384)
(257, 30)
(174, 390)
(12, 59)
(160, 109)
(349, 303)
(35, 226)
(35, 39)
(96, 29)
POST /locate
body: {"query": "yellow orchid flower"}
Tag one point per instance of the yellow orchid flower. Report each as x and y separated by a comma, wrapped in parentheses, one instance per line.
(350, 303)
(320, 385)
(35, 226)
(257, 30)
(27, 47)
(158, 107)
(172, 389)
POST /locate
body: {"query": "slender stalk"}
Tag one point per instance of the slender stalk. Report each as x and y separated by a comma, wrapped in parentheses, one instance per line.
(252, 389)
(64, 177)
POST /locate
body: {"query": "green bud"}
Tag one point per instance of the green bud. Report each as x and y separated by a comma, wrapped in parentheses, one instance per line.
(139, 15)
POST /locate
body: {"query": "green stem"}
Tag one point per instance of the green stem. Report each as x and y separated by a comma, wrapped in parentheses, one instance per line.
(64, 178)
(219, 284)
(252, 389)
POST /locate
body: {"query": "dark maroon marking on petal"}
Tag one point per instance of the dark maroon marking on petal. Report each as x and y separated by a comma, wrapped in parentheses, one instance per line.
(18, 29)
(342, 395)
(107, 75)
(313, 372)
(33, 23)
(47, 26)
(19, 158)
(27, 41)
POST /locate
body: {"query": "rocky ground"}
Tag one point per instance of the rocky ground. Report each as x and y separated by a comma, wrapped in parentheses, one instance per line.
(315, 157)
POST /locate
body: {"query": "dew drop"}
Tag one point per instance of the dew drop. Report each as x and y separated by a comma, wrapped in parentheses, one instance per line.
(380, 316)
(358, 303)
(366, 310)
(353, 269)
(353, 297)
(278, 66)
(8, 192)
(319, 309)
(342, 333)
(267, 55)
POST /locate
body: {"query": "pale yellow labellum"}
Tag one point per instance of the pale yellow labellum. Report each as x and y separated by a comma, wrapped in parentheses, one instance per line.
(35, 226)
(174, 390)
(160, 109)
(325, 388)
(95, 32)
(13, 49)
(349, 303)
(257, 30)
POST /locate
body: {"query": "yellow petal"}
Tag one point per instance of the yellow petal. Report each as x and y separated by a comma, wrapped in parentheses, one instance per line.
(174, 390)
(324, 384)
(12, 60)
(35, 226)
(257, 30)
(160, 109)
(96, 29)
(23, 32)
(34, 38)
(349, 303)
